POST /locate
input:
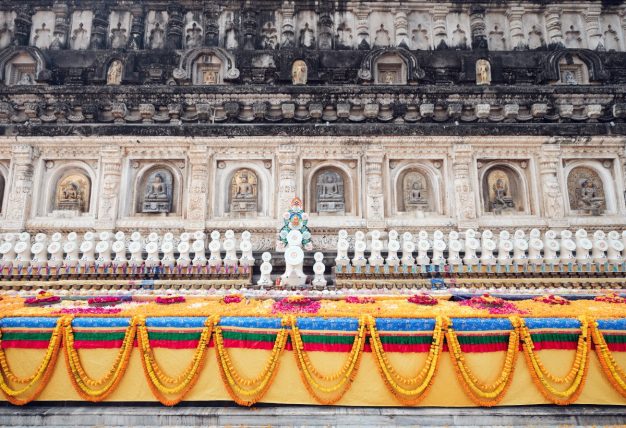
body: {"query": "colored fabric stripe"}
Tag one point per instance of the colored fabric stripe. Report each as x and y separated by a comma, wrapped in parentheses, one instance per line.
(29, 322)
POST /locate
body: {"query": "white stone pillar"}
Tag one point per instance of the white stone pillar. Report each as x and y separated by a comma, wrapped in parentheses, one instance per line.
(108, 201)
(362, 27)
(20, 189)
(465, 198)
(553, 25)
(516, 26)
(374, 210)
(592, 21)
(287, 158)
(198, 187)
(440, 32)
(553, 202)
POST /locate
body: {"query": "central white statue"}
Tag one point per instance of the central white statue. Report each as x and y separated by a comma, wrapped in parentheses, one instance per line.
(294, 258)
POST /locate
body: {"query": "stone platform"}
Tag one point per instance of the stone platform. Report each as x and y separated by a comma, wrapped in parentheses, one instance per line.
(199, 414)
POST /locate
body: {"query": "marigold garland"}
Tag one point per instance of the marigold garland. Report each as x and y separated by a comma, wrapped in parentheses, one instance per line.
(614, 373)
(542, 378)
(86, 386)
(423, 381)
(235, 383)
(345, 375)
(160, 384)
(486, 395)
(41, 376)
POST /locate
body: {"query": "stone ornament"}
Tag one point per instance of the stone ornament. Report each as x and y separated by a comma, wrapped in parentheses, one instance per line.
(157, 196)
(415, 192)
(114, 73)
(72, 193)
(483, 72)
(500, 198)
(586, 191)
(299, 72)
(330, 193)
(244, 192)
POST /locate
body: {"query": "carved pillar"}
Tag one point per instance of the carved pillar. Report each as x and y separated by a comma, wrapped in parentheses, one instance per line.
(553, 25)
(465, 197)
(23, 23)
(108, 203)
(288, 35)
(249, 29)
(136, 28)
(99, 27)
(326, 36)
(362, 27)
(175, 26)
(61, 25)
(477, 25)
(402, 29)
(198, 188)
(440, 32)
(553, 201)
(375, 212)
(21, 188)
(287, 159)
(516, 27)
(212, 29)
(592, 21)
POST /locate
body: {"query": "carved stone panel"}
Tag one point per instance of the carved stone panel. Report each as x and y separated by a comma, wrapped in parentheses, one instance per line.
(73, 191)
(115, 72)
(414, 195)
(157, 197)
(42, 29)
(330, 193)
(119, 29)
(244, 192)
(586, 191)
(7, 28)
(80, 32)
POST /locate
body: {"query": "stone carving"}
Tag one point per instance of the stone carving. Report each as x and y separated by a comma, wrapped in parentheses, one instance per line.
(114, 73)
(230, 39)
(6, 35)
(483, 72)
(496, 39)
(330, 193)
(269, 36)
(157, 197)
(207, 70)
(119, 38)
(415, 192)
(299, 72)
(194, 36)
(80, 37)
(157, 37)
(307, 36)
(43, 36)
(586, 191)
(244, 192)
(419, 39)
(459, 39)
(382, 37)
(343, 36)
(572, 38)
(72, 193)
(500, 198)
(611, 39)
(21, 70)
(552, 191)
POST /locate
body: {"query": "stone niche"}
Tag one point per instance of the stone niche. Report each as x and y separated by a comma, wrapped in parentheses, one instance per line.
(119, 29)
(21, 69)
(331, 187)
(80, 32)
(573, 71)
(42, 29)
(156, 25)
(590, 187)
(390, 69)
(157, 187)
(504, 187)
(416, 188)
(67, 190)
(242, 189)
(207, 70)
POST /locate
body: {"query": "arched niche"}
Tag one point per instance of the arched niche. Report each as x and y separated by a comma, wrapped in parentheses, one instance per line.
(573, 71)
(503, 190)
(206, 66)
(583, 65)
(330, 191)
(397, 61)
(390, 69)
(236, 196)
(22, 66)
(72, 191)
(416, 189)
(115, 72)
(589, 189)
(157, 191)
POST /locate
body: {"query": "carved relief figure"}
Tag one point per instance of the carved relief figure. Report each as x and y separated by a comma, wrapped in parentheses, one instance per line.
(20, 70)
(243, 192)
(535, 38)
(80, 38)
(415, 192)
(330, 193)
(307, 36)
(72, 193)
(207, 70)
(114, 74)
(496, 39)
(299, 72)
(483, 72)
(586, 191)
(194, 36)
(459, 39)
(420, 40)
(382, 37)
(344, 36)
(157, 197)
(500, 197)
(230, 38)
(552, 197)
(611, 39)
(6, 35)
(572, 38)
(43, 37)
(119, 39)
(157, 37)
(269, 36)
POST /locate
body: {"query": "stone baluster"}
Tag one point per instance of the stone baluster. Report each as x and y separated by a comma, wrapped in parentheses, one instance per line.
(266, 269)
(136, 27)
(245, 246)
(440, 32)
(553, 25)
(99, 27)
(230, 259)
(319, 281)
(471, 246)
(103, 248)
(477, 26)
(516, 27)
(167, 248)
(23, 22)
(55, 250)
(7, 249)
(20, 190)
(183, 259)
(215, 257)
(486, 252)
(505, 246)
(615, 252)
(61, 25)
(592, 21)
(111, 162)
(198, 249)
(583, 245)
(22, 253)
(70, 248)
(407, 250)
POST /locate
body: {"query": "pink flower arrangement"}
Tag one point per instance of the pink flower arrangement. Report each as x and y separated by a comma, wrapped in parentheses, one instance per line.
(42, 298)
(494, 305)
(168, 300)
(551, 299)
(359, 300)
(104, 301)
(610, 298)
(232, 298)
(88, 311)
(423, 299)
(295, 304)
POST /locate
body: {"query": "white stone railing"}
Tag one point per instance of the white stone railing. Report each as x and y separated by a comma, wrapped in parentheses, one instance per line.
(473, 248)
(117, 251)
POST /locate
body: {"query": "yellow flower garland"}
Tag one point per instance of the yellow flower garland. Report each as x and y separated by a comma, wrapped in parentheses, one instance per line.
(538, 371)
(41, 376)
(614, 373)
(345, 375)
(485, 394)
(183, 383)
(423, 381)
(235, 383)
(82, 382)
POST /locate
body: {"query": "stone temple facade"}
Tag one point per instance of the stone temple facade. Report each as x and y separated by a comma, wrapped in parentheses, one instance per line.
(186, 115)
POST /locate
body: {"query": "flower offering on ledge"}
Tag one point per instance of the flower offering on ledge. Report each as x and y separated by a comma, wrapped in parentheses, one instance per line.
(168, 300)
(104, 301)
(495, 305)
(232, 298)
(297, 304)
(610, 298)
(359, 300)
(42, 298)
(551, 299)
(423, 299)
(87, 311)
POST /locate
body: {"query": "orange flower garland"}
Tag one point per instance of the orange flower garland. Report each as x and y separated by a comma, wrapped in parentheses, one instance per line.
(485, 394)
(540, 376)
(614, 373)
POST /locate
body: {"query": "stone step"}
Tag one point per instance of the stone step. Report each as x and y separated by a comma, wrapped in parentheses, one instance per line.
(196, 414)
